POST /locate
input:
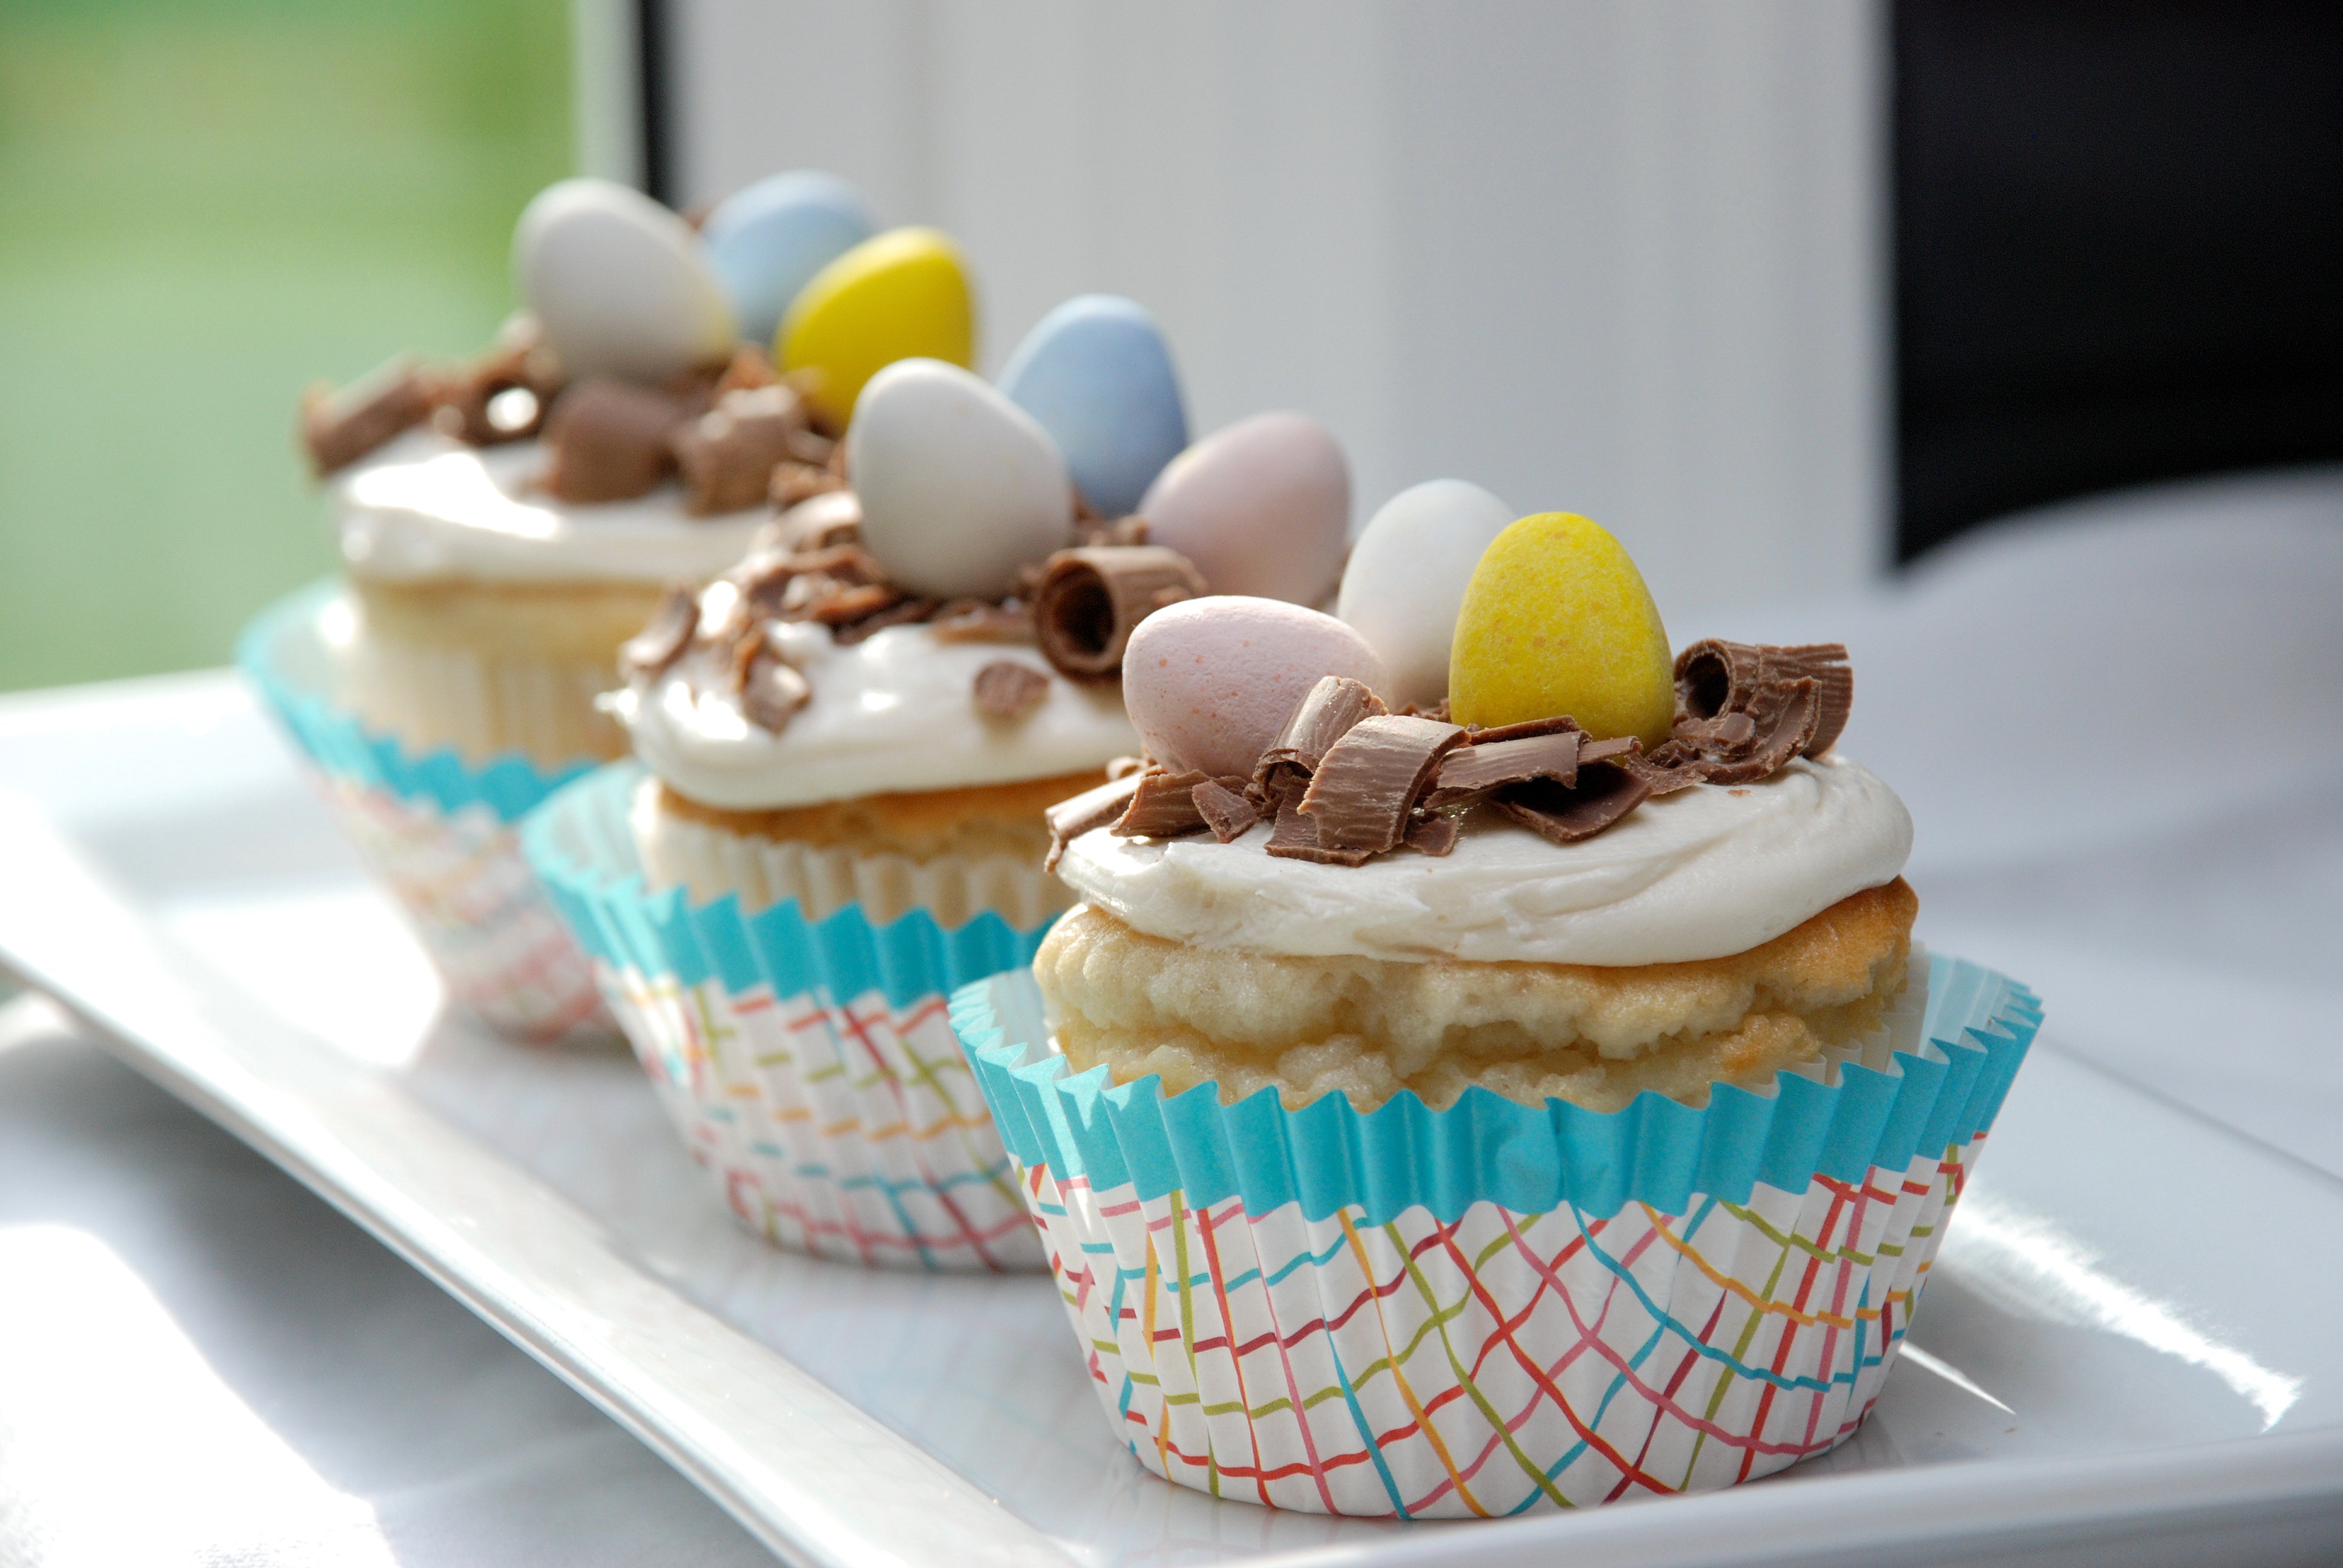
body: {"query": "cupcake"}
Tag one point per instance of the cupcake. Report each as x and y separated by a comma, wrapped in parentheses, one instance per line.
(1529, 1098)
(506, 523)
(845, 746)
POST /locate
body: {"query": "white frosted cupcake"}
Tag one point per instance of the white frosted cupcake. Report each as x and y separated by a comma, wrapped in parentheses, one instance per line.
(1527, 1101)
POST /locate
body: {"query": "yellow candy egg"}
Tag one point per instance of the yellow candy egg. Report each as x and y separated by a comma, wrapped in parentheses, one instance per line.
(901, 295)
(1557, 620)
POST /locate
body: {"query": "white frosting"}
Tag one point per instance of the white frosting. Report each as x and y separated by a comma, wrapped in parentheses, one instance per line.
(1702, 873)
(427, 506)
(891, 714)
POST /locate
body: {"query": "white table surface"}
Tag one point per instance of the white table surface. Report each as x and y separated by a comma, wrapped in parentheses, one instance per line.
(2120, 726)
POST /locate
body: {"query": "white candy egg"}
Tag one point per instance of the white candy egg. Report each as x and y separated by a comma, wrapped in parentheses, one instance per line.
(1406, 578)
(959, 487)
(618, 283)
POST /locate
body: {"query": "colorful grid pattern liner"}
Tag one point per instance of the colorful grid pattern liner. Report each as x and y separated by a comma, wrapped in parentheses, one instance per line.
(437, 834)
(810, 1066)
(1494, 1308)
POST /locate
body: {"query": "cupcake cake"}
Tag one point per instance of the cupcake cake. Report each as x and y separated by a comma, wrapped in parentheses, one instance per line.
(506, 523)
(1520, 1094)
(844, 748)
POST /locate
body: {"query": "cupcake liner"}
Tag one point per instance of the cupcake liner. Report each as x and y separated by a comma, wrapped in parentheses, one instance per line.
(436, 832)
(808, 1064)
(1495, 1308)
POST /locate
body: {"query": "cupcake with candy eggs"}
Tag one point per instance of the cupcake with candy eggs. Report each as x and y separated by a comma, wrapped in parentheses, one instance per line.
(506, 523)
(1541, 1077)
(846, 745)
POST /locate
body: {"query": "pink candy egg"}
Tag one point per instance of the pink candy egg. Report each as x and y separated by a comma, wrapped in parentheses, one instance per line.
(1210, 681)
(1261, 507)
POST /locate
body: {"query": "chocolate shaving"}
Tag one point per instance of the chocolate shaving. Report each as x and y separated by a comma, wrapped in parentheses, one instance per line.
(1224, 809)
(751, 369)
(1783, 718)
(1483, 767)
(1295, 837)
(904, 612)
(1006, 690)
(772, 692)
(1362, 790)
(977, 621)
(339, 428)
(1124, 767)
(832, 517)
(1715, 678)
(727, 455)
(1606, 791)
(1434, 835)
(1163, 807)
(1523, 730)
(1324, 716)
(647, 655)
(795, 482)
(608, 440)
(837, 603)
(1091, 529)
(1090, 600)
(1093, 809)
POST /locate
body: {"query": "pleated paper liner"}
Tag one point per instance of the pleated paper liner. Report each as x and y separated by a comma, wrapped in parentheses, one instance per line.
(1496, 1308)
(808, 1064)
(437, 831)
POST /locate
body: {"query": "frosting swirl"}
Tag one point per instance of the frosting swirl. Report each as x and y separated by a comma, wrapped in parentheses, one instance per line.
(893, 713)
(1701, 873)
(426, 506)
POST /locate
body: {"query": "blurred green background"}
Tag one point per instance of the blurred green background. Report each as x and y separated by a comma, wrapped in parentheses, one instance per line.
(205, 205)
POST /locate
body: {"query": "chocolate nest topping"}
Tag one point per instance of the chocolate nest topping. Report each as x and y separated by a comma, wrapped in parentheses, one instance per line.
(1346, 781)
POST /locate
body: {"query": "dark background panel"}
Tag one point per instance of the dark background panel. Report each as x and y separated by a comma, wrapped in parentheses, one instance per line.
(2119, 247)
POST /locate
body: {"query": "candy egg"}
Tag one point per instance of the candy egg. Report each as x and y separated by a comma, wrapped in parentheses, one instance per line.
(1406, 576)
(619, 284)
(1097, 374)
(1209, 682)
(766, 241)
(1557, 620)
(901, 295)
(959, 486)
(1261, 507)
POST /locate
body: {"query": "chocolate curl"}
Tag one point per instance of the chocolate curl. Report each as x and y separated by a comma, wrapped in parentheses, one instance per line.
(832, 517)
(1715, 678)
(1294, 837)
(1473, 771)
(1434, 835)
(337, 429)
(1006, 690)
(502, 395)
(1124, 767)
(1607, 789)
(772, 690)
(979, 620)
(1362, 790)
(1093, 809)
(647, 655)
(1324, 716)
(1221, 802)
(727, 455)
(904, 612)
(1090, 600)
(608, 441)
(1783, 718)
(1163, 806)
(751, 369)
(796, 482)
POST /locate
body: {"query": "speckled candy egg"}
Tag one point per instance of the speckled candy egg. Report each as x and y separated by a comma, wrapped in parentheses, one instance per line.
(619, 284)
(1557, 620)
(1209, 681)
(1098, 376)
(1406, 576)
(1261, 507)
(768, 240)
(901, 295)
(959, 486)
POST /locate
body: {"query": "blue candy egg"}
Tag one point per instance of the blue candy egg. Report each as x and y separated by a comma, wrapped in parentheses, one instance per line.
(1097, 375)
(768, 240)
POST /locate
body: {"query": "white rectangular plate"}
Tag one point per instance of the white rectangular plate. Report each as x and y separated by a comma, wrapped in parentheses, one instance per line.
(2126, 1339)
